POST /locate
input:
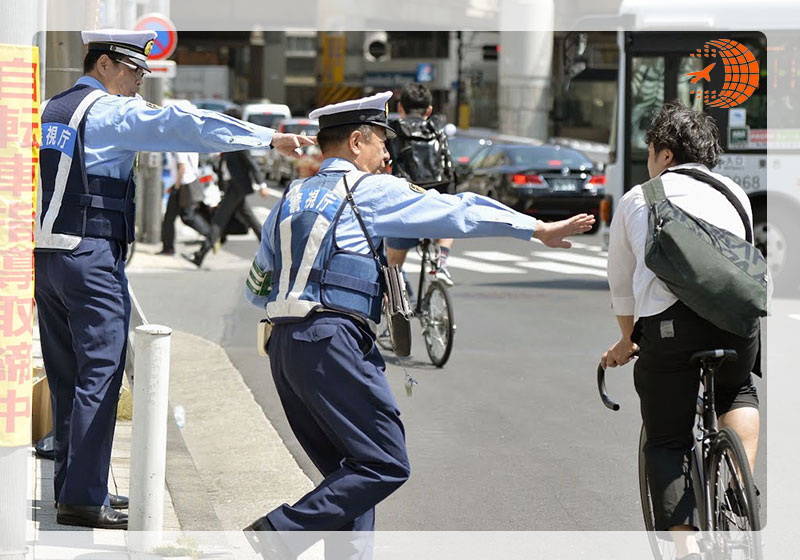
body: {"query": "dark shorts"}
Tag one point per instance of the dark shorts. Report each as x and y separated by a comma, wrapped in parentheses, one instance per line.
(401, 243)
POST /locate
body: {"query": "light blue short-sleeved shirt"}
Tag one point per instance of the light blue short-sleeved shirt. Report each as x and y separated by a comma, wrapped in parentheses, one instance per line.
(392, 207)
(117, 127)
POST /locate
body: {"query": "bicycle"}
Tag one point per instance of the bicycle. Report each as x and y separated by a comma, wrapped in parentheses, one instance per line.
(433, 309)
(725, 494)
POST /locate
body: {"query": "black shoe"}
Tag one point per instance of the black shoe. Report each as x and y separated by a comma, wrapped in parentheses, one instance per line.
(265, 544)
(44, 447)
(193, 258)
(167, 252)
(117, 501)
(96, 517)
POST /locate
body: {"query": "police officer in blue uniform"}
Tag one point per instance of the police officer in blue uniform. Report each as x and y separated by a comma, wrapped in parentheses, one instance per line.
(316, 277)
(85, 219)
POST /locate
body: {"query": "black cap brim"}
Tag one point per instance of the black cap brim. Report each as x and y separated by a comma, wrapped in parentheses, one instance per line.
(374, 117)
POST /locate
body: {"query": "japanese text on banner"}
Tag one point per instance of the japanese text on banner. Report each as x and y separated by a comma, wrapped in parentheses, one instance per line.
(19, 167)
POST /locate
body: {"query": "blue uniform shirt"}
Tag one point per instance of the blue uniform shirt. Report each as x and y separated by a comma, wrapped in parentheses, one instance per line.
(117, 127)
(391, 207)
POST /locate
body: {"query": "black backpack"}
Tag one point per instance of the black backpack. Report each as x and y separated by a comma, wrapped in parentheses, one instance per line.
(421, 152)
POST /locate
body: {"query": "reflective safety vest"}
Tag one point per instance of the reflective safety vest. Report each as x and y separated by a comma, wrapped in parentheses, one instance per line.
(310, 271)
(72, 205)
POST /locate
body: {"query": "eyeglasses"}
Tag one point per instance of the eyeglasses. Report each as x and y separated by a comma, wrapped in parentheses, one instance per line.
(136, 70)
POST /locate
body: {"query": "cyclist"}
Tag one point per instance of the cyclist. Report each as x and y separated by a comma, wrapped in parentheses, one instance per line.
(420, 154)
(666, 332)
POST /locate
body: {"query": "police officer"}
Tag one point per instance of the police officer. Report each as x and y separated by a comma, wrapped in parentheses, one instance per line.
(90, 135)
(317, 279)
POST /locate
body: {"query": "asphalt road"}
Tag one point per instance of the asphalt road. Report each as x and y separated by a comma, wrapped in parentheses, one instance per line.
(510, 434)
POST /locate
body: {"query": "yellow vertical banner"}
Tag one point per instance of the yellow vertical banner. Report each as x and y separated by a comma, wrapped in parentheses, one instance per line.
(20, 135)
(333, 57)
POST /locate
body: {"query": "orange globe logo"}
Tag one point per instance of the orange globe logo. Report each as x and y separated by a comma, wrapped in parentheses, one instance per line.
(741, 73)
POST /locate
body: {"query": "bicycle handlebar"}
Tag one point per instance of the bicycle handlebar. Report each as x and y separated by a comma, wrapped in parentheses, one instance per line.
(601, 387)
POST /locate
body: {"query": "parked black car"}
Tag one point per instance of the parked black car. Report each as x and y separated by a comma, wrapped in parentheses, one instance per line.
(547, 181)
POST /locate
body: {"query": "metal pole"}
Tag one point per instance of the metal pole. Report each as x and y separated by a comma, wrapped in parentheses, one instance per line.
(150, 171)
(149, 439)
(459, 77)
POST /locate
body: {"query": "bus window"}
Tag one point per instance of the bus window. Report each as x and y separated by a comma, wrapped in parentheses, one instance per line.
(690, 94)
(647, 97)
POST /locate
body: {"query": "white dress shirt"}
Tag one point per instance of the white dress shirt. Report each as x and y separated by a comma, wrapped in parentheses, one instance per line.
(191, 164)
(635, 290)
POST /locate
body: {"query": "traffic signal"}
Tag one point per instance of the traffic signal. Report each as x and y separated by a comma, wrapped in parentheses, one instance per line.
(491, 52)
(376, 46)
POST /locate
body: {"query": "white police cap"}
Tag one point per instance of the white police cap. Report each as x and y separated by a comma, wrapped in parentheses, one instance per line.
(135, 45)
(372, 110)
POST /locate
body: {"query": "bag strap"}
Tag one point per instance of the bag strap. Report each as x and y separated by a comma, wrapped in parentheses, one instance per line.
(721, 187)
(653, 191)
(352, 202)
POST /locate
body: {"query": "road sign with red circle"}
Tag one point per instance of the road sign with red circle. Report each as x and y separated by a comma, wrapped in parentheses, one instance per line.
(166, 35)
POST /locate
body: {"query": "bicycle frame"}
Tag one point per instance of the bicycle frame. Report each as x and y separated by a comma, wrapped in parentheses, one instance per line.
(426, 243)
(705, 429)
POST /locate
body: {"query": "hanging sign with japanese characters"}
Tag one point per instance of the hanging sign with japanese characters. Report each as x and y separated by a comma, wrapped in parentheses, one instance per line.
(19, 166)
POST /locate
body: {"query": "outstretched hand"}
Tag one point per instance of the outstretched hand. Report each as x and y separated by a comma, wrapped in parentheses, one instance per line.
(552, 234)
(290, 144)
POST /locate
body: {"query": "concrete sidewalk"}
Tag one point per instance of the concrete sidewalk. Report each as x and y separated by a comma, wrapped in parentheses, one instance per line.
(226, 467)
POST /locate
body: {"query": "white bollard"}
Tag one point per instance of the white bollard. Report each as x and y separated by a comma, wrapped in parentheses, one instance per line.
(14, 506)
(149, 445)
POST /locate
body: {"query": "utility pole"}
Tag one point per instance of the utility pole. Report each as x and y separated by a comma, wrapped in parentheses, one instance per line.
(462, 110)
(151, 191)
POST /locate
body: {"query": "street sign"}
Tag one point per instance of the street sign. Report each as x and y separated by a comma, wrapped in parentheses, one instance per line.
(161, 69)
(425, 72)
(166, 35)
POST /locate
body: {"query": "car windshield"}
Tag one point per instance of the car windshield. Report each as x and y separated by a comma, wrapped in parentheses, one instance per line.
(310, 129)
(268, 120)
(547, 157)
(463, 150)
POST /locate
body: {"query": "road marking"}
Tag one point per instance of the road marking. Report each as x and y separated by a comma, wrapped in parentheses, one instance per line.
(562, 268)
(494, 256)
(572, 258)
(469, 264)
(794, 317)
(586, 246)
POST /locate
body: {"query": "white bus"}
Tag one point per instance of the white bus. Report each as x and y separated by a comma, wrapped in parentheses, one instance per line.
(655, 56)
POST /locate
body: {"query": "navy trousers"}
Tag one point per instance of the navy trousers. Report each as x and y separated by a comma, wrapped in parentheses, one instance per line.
(330, 378)
(84, 310)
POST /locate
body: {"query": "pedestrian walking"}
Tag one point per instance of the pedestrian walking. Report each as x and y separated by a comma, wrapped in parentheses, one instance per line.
(245, 178)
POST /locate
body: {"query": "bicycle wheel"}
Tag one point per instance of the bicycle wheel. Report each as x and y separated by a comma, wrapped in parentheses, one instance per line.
(438, 328)
(662, 549)
(734, 503)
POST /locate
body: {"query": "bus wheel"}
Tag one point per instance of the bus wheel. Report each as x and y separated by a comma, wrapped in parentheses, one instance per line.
(778, 238)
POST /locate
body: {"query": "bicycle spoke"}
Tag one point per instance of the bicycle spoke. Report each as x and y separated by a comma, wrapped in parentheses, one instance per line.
(735, 509)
